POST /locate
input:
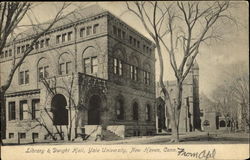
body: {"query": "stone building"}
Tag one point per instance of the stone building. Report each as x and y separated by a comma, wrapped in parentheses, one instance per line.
(190, 111)
(209, 116)
(90, 71)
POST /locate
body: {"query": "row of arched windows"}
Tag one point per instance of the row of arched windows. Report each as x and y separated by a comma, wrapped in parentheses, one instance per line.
(119, 62)
(120, 111)
(64, 66)
(90, 66)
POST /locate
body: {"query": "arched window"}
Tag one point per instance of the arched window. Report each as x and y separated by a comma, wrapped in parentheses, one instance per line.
(65, 64)
(146, 74)
(135, 111)
(148, 112)
(118, 62)
(119, 109)
(90, 61)
(134, 68)
(23, 75)
(43, 69)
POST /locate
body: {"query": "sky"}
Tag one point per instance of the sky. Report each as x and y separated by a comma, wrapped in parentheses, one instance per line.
(213, 60)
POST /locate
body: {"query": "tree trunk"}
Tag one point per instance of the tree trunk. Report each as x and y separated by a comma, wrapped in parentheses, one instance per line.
(176, 114)
(175, 131)
(3, 114)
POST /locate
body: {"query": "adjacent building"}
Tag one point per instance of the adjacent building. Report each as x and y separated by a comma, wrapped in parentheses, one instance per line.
(89, 71)
(190, 112)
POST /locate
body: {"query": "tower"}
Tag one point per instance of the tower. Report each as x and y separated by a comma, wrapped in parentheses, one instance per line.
(196, 101)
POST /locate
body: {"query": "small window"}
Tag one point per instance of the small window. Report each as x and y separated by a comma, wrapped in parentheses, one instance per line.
(123, 35)
(35, 136)
(119, 33)
(22, 135)
(134, 40)
(130, 39)
(138, 44)
(146, 76)
(148, 114)
(24, 77)
(27, 46)
(64, 37)
(2, 55)
(68, 67)
(119, 110)
(27, 79)
(47, 42)
(133, 73)
(120, 68)
(114, 30)
(69, 36)
(12, 111)
(62, 69)
(82, 32)
(89, 28)
(58, 39)
(117, 66)
(37, 45)
(41, 43)
(43, 72)
(90, 65)
(87, 66)
(35, 108)
(95, 29)
(94, 64)
(10, 52)
(21, 77)
(11, 135)
(23, 110)
(18, 50)
(201, 114)
(23, 49)
(6, 53)
(46, 71)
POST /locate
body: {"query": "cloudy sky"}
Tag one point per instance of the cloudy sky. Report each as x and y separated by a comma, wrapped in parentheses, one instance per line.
(213, 60)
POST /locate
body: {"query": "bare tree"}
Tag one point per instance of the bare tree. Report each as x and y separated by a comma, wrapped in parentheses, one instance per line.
(178, 30)
(11, 14)
(225, 104)
(233, 95)
(240, 87)
(45, 119)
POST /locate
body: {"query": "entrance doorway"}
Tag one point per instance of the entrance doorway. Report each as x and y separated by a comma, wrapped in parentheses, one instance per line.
(94, 110)
(60, 113)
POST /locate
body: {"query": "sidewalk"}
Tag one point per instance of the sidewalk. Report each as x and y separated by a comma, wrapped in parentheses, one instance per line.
(132, 140)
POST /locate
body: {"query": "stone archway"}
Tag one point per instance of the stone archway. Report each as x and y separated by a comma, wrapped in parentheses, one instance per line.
(94, 110)
(60, 113)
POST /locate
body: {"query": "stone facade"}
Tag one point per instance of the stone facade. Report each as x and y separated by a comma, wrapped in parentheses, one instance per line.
(92, 70)
(190, 111)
